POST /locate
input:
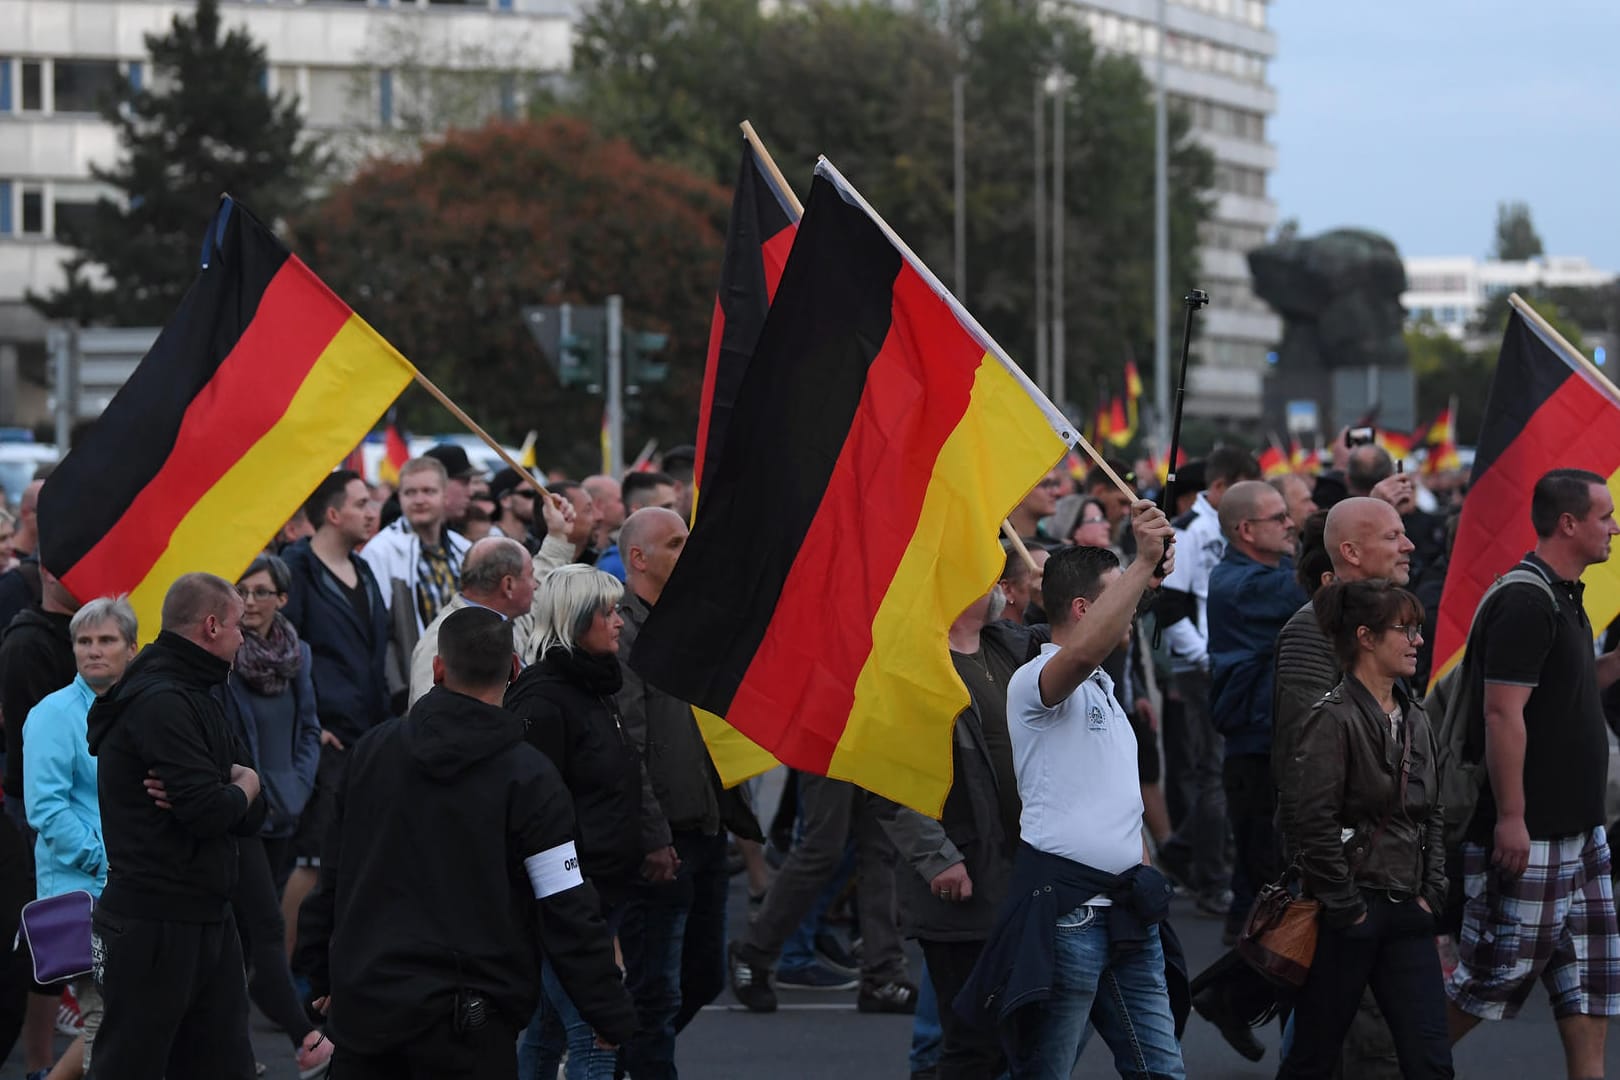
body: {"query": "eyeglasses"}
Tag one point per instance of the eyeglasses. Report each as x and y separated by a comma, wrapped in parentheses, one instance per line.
(257, 594)
(1094, 521)
(1279, 518)
(1412, 632)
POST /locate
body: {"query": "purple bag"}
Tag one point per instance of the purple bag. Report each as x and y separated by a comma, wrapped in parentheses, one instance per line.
(57, 930)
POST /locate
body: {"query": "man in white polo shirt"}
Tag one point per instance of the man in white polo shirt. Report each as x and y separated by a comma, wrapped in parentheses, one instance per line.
(1075, 757)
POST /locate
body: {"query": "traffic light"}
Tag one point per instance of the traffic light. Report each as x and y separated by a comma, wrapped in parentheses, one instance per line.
(642, 363)
(579, 360)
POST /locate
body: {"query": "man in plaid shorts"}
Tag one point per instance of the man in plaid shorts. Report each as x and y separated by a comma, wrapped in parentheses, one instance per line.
(1536, 863)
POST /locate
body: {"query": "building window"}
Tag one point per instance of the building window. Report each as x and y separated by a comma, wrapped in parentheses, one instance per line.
(5, 207)
(85, 86)
(136, 73)
(5, 85)
(385, 98)
(33, 211)
(74, 210)
(33, 86)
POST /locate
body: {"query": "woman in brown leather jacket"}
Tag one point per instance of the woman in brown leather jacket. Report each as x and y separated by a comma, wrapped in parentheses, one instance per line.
(1364, 817)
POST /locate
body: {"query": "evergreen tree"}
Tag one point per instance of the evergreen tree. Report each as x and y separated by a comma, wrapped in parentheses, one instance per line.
(202, 126)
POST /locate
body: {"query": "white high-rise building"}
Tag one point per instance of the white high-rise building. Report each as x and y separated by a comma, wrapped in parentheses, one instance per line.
(1451, 291)
(1216, 52)
(354, 66)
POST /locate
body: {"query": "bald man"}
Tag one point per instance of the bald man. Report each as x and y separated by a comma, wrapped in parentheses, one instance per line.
(20, 587)
(1252, 593)
(672, 932)
(1365, 539)
(498, 574)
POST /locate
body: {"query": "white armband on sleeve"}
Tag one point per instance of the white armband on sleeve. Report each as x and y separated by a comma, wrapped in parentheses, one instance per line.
(554, 870)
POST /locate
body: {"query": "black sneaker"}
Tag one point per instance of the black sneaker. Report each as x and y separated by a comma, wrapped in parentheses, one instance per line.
(750, 983)
(890, 997)
(816, 977)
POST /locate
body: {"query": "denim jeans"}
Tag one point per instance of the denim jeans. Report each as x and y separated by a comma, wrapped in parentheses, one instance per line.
(1131, 1013)
(557, 1025)
(927, 1038)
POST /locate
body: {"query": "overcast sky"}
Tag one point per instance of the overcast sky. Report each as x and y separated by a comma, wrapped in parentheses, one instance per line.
(1415, 118)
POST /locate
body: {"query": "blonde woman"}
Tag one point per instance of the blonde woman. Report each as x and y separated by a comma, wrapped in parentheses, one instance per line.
(567, 697)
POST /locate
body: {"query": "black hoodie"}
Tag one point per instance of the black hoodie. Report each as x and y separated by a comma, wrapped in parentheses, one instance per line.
(450, 864)
(36, 658)
(176, 865)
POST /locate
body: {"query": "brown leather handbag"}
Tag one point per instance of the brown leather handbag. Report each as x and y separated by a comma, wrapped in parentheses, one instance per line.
(1278, 938)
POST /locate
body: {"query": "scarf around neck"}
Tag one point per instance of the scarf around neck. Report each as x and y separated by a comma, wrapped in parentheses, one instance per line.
(268, 664)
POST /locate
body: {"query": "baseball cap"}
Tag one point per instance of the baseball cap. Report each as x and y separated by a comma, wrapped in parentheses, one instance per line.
(455, 461)
(505, 482)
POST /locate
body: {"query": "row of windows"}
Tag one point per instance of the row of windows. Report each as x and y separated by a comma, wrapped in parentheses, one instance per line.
(1240, 180)
(1252, 12)
(1224, 119)
(1445, 315)
(1121, 34)
(1230, 236)
(46, 208)
(1438, 283)
(331, 97)
(64, 85)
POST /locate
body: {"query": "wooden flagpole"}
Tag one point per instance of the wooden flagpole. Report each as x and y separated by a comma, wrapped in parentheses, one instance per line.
(455, 410)
(1523, 307)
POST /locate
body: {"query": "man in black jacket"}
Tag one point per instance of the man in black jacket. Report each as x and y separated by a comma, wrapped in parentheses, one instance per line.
(36, 659)
(959, 866)
(173, 797)
(337, 608)
(449, 868)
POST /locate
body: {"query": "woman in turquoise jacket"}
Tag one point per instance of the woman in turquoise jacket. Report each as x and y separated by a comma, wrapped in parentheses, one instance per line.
(59, 780)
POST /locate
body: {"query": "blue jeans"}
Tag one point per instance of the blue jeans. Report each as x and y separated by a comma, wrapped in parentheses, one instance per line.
(1131, 999)
(927, 1038)
(557, 1025)
(799, 951)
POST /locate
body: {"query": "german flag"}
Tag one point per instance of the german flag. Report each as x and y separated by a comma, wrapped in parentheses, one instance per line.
(1120, 430)
(763, 221)
(1273, 462)
(260, 383)
(396, 451)
(1548, 409)
(878, 441)
(1396, 444)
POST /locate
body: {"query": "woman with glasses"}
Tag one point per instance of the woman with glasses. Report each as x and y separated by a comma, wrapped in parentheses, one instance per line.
(270, 700)
(1365, 821)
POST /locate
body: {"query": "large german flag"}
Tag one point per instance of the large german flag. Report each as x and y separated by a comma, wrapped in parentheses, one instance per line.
(763, 221)
(879, 439)
(1548, 409)
(260, 383)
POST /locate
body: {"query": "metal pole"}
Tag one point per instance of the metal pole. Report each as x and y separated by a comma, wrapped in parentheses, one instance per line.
(615, 384)
(1059, 220)
(1161, 243)
(1043, 362)
(959, 135)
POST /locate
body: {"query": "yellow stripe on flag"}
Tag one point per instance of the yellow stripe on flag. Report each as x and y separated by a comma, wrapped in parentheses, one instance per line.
(356, 378)
(895, 743)
(736, 757)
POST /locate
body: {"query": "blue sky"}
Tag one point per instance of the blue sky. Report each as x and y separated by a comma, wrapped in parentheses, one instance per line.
(1415, 118)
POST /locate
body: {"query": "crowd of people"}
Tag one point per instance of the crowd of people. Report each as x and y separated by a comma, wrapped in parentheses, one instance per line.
(398, 787)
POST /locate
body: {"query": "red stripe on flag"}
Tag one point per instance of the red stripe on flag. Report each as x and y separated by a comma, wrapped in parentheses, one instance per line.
(1575, 428)
(861, 531)
(297, 318)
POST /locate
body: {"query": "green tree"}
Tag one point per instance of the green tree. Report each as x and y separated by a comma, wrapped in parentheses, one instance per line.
(1445, 368)
(871, 87)
(1516, 237)
(441, 254)
(203, 125)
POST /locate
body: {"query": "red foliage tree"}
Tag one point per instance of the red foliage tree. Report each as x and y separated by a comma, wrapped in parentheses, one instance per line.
(442, 253)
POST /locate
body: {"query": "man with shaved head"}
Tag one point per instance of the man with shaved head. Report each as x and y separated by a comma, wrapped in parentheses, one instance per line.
(673, 931)
(174, 795)
(1252, 594)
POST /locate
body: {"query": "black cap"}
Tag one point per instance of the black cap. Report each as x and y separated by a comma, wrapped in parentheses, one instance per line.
(1190, 477)
(505, 482)
(455, 461)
